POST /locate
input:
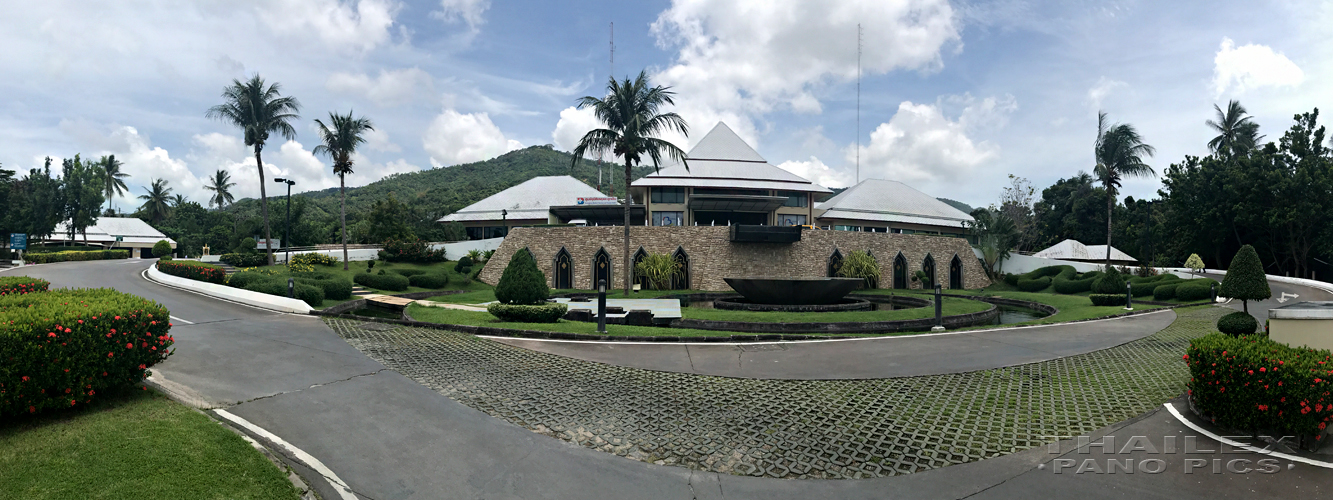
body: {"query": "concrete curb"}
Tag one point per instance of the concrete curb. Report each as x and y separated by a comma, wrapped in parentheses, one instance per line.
(224, 292)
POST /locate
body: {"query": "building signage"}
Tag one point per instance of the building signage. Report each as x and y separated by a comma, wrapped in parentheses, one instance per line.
(18, 241)
(276, 243)
(606, 200)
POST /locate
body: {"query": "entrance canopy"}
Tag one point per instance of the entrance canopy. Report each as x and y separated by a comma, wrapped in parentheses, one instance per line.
(601, 215)
(735, 203)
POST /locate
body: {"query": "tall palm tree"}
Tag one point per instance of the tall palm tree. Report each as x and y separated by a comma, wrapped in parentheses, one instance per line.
(258, 110)
(1119, 151)
(340, 142)
(1236, 133)
(178, 200)
(220, 185)
(115, 186)
(630, 113)
(157, 203)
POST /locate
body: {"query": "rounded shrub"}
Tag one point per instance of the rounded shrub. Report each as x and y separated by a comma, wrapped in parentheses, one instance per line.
(1245, 279)
(245, 278)
(1165, 291)
(387, 281)
(1194, 291)
(162, 249)
(523, 313)
(1144, 289)
(309, 294)
(1034, 285)
(1111, 282)
(464, 265)
(246, 245)
(1237, 323)
(1011, 279)
(244, 259)
(1107, 299)
(429, 280)
(334, 288)
(522, 282)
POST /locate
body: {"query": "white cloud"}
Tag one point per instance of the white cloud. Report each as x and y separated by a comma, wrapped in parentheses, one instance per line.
(465, 11)
(454, 138)
(378, 140)
(1252, 66)
(819, 173)
(921, 144)
(143, 161)
(361, 26)
(1102, 90)
(573, 124)
(390, 88)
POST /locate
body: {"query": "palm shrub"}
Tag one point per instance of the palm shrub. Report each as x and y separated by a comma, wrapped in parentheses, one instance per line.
(657, 269)
(1245, 279)
(1237, 323)
(522, 282)
(19, 285)
(162, 249)
(475, 255)
(860, 264)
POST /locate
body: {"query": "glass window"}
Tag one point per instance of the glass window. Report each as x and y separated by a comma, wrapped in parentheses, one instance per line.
(846, 228)
(668, 218)
(668, 195)
(876, 229)
(791, 220)
(746, 192)
(794, 198)
(475, 233)
(495, 232)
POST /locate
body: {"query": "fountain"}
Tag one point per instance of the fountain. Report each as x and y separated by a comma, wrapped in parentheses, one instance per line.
(794, 294)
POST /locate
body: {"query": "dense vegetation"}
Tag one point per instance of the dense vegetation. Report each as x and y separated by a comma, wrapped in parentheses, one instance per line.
(1251, 383)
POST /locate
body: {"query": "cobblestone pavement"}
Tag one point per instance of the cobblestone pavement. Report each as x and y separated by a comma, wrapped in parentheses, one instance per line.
(792, 429)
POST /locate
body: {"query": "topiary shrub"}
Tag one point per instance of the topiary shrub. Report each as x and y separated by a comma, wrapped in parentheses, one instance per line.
(245, 278)
(63, 348)
(1251, 384)
(162, 250)
(1108, 299)
(19, 285)
(463, 266)
(1237, 323)
(522, 282)
(409, 272)
(310, 294)
(1111, 282)
(521, 313)
(387, 281)
(334, 288)
(1165, 291)
(1034, 285)
(246, 245)
(1073, 286)
(1245, 279)
(1144, 289)
(1011, 279)
(198, 271)
(429, 280)
(244, 259)
(1194, 291)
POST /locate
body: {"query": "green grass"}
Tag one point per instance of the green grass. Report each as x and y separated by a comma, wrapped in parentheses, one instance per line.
(137, 445)
(455, 279)
(457, 317)
(1072, 307)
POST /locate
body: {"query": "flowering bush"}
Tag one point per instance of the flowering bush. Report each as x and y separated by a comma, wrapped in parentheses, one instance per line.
(300, 267)
(315, 259)
(62, 348)
(198, 271)
(19, 285)
(413, 250)
(47, 258)
(1251, 383)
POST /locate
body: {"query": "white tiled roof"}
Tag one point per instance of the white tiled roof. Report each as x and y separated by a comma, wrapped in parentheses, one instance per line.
(108, 228)
(530, 200)
(723, 159)
(891, 201)
(1075, 250)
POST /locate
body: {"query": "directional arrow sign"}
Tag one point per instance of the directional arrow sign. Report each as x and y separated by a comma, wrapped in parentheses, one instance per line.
(1284, 296)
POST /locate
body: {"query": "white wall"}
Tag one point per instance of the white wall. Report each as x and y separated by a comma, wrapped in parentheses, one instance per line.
(1019, 264)
(262, 300)
(458, 249)
(353, 255)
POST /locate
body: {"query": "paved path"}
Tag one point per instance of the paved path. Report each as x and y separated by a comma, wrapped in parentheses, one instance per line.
(1259, 308)
(877, 357)
(391, 438)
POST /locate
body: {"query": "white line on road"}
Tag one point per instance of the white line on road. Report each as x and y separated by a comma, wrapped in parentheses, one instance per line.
(1172, 408)
(338, 485)
(188, 322)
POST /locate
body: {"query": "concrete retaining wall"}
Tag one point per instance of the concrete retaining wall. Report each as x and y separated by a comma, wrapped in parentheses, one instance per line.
(261, 300)
(456, 250)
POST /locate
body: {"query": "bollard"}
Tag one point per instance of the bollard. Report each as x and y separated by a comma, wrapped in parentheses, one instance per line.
(601, 306)
(291, 288)
(939, 311)
(1214, 286)
(1129, 296)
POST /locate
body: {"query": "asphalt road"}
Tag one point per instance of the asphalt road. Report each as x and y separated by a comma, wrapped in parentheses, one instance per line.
(390, 438)
(1283, 294)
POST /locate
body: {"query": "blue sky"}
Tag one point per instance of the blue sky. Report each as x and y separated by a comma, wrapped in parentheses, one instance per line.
(955, 95)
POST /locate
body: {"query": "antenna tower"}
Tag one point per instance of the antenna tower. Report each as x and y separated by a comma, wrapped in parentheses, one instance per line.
(858, 103)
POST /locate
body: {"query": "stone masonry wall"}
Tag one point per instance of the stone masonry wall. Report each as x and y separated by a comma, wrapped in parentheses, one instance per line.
(712, 257)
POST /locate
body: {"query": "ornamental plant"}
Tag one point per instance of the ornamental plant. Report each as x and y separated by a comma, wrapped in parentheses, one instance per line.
(63, 348)
(162, 249)
(198, 271)
(1111, 282)
(20, 285)
(1245, 279)
(410, 250)
(522, 282)
(860, 264)
(244, 259)
(74, 256)
(1194, 264)
(315, 259)
(1251, 383)
(657, 269)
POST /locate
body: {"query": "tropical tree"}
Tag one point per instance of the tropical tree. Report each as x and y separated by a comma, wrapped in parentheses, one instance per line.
(632, 121)
(157, 203)
(1236, 133)
(341, 137)
(1194, 264)
(258, 110)
(220, 184)
(1119, 151)
(115, 184)
(82, 185)
(178, 200)
(995, 234)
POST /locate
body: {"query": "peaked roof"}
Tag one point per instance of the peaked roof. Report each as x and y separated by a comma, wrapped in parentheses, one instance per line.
(891, 201)
(723, 160)
(531, 199)
(132, 230)
(1075, 250)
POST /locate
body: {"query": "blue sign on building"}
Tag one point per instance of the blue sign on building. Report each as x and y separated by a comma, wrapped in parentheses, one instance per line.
(18, 241)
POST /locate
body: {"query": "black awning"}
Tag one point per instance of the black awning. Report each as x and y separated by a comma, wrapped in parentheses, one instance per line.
(765, 234)
(735, 203)
(600, 214)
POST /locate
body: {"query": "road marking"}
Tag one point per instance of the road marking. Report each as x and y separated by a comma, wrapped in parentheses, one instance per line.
(338, 485)
(1172, 408)
(1284, 296)
(188, 322)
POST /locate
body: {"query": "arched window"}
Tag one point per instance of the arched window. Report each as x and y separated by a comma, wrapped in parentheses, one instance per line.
(639, 280)
(928, 267)
(681, 281)
(601, 269)
(834, 263)
(956, 273)
(900, 271)
(563, 266)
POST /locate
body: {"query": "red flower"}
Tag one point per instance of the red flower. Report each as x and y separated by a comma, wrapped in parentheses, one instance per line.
(50, 334)
(1262, 369)
(129, 345)
(1186, 357)
(1322, 425)
(110, 354)
(25, 378)
(1263, 407)
(1305, 410)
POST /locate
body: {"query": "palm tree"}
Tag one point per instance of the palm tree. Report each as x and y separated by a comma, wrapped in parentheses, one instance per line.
(1119, 151)
(157, 203)
(258, 110)
(995, 234)
(1236, 133)
(114, 185)
(340, 143)
(178, 200)
(629, 112)
(220, 185)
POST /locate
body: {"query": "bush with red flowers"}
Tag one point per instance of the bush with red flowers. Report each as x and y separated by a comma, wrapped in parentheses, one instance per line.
(19, 285)
(63, 348)
(413, 250)
(1251, 383)
(198, 271)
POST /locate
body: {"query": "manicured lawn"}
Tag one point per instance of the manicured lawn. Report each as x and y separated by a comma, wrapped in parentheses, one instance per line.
(457, 317)
(1072, 307)
(137, 445)
(447, 268)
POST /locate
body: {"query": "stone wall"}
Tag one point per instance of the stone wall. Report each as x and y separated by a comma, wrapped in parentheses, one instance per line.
(713, 257)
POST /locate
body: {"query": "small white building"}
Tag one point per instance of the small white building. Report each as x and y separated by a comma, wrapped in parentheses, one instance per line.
(556, 199)
(1078, 252)
(884, 206)
(128, 233)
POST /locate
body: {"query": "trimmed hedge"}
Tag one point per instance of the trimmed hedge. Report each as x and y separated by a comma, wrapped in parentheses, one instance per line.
(1011, 279)
(50, 257)
(1193, 291)
(244, 259)
(1034, 285)
(409, 272)
(429, 280)
(19, 285)
(1251, 383)
(1108, 299)
(315, 259)
(245, 278)
(334, 288)
(309, 294)
(1237, 323)
(386, 281)
(1072, 286)
(198, 271)
(1165, 291)
(62, 348)
(523, 313)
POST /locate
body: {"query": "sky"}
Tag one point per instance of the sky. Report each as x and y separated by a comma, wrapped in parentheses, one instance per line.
(954, 96)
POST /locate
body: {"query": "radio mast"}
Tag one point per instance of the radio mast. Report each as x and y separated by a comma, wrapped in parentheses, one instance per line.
(858, 103)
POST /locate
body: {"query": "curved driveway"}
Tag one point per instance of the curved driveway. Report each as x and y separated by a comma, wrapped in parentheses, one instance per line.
(391, 438)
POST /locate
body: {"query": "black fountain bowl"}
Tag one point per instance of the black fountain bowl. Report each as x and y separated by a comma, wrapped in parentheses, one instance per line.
(794, 291)
(845, 304)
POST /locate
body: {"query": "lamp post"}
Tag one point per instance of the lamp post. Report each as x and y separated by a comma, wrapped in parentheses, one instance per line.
(287, 231)
(939, 310)
(601, 306)
(504, 219)
(1129, 296)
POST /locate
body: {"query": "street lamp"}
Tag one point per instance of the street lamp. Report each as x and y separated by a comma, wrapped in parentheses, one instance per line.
(286, 232)
(504, 219)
